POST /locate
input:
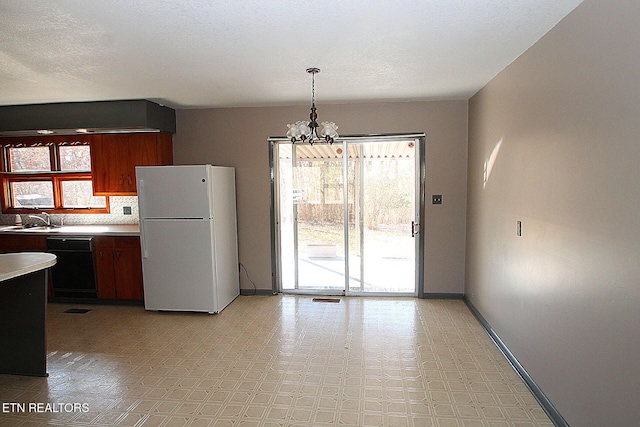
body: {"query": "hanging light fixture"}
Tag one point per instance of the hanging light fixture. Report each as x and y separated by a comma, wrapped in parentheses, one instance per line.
(308, 132)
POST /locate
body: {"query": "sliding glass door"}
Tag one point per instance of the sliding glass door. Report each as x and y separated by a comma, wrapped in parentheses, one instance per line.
(311, 219)
(346, 216)
(382, 249)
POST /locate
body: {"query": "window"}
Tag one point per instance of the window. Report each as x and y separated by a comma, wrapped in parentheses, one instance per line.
(52, 173)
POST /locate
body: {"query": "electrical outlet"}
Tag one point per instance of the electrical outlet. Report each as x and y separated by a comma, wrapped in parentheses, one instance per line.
(436, 199)
(126, 210)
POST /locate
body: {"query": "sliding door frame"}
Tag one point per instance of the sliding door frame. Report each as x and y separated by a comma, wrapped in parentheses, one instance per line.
(276, 273)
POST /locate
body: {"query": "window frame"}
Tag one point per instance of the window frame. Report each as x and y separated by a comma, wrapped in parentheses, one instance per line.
(55, 176)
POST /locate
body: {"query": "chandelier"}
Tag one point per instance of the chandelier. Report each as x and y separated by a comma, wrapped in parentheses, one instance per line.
(308, 132)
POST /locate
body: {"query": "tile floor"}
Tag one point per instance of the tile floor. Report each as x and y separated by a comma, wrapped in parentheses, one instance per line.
(272, 361)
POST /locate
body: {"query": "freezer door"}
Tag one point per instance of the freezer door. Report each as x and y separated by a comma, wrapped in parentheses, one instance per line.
(174, 191)
(178, 265)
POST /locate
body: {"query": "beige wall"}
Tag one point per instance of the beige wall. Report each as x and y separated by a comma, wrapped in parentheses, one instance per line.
(565, 296)
(238, 137)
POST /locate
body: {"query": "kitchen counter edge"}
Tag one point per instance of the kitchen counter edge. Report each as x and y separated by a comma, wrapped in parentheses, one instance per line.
(19, 264)
(76, 230)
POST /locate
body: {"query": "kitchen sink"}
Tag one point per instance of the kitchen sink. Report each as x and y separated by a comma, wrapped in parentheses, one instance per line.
(21, 228)
(38, 228)
(12, 227)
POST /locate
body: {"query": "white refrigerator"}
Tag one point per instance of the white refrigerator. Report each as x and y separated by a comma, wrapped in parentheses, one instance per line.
(188, 232)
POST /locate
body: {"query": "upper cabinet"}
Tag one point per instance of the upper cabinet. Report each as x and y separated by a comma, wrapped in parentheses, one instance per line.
(115, 156)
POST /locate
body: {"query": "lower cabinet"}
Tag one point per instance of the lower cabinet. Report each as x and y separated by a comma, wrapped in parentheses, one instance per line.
(118, 268)
(20, 243)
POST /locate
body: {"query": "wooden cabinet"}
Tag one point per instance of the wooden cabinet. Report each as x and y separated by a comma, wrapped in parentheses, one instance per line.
(118, 263)
(21, 243)
(115, 156)
(118, 268)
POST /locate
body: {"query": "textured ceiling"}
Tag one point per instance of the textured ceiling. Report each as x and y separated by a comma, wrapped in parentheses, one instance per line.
(208, 53)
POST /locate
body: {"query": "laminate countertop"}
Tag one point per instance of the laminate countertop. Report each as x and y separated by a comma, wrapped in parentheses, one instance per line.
(18, 264)
(75, 230)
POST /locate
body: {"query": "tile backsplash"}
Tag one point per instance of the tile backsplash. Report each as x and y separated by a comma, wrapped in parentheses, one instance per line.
(117, 216)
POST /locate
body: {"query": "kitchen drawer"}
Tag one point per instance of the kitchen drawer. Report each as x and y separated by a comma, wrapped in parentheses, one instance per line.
(110, 242)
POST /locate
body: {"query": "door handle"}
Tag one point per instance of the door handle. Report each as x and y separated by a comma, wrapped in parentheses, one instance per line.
(143, 246)
(415, 228)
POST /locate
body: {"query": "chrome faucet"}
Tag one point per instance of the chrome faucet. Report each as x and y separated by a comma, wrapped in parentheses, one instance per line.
(46, 219)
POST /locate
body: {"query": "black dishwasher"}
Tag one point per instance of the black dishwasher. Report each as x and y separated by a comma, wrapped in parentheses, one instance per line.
(73, 275)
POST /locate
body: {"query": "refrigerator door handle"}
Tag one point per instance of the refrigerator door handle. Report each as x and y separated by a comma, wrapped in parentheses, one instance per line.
(145, 253)
(142, 210)
(141, 198)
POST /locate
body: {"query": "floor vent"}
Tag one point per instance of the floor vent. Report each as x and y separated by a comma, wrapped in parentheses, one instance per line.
(78, 310)
(326, 299)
